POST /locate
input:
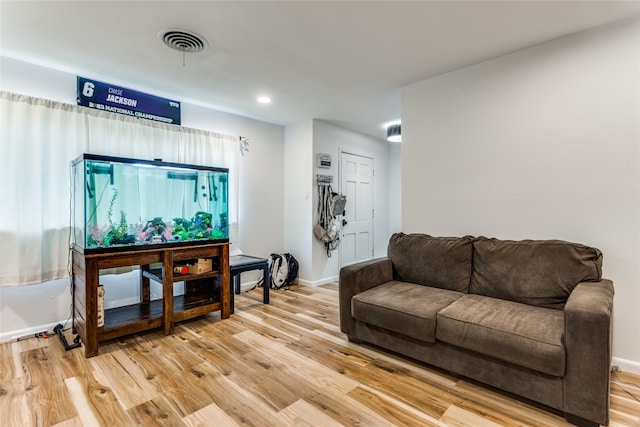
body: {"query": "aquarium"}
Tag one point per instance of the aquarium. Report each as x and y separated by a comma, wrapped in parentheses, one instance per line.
(121, 204)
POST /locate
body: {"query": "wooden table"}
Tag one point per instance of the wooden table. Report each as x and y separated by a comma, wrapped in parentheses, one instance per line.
(241, 263)
(204, 293)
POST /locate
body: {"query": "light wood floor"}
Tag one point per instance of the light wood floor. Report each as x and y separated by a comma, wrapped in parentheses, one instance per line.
(282, 364)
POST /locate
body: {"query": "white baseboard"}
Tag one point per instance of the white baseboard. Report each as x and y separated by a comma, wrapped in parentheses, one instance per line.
(247, 286)
(317, 282)
(23, 334)
(626, 365)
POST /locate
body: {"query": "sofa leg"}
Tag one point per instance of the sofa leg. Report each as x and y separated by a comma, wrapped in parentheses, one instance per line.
(578, 421)
(354, 340)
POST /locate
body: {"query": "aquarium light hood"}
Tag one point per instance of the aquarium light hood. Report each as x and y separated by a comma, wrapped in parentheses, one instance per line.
(152, 166)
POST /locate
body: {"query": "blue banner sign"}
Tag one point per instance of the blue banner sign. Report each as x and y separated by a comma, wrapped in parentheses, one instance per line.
(115, 99)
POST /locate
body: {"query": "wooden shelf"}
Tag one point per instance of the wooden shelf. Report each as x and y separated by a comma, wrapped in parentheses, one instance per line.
(156, 275)
(190, 307)
(129, 319)
(204, 293)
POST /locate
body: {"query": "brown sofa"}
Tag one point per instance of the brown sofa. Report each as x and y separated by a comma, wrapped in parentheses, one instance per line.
(531, 317)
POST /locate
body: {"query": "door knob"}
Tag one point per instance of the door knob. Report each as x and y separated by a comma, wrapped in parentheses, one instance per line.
(344, 222)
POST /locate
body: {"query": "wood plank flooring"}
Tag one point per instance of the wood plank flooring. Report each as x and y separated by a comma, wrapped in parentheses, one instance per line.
(282, 364)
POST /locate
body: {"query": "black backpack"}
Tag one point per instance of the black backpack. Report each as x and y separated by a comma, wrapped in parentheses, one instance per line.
(283, 271)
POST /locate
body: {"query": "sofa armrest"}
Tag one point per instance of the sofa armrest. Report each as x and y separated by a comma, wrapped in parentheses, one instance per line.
(588, 336)
(356, 278)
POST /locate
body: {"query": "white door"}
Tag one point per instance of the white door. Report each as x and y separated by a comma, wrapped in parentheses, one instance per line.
(357, 231)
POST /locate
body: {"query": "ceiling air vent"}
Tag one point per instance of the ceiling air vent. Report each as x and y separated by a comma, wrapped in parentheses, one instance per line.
(183, 41)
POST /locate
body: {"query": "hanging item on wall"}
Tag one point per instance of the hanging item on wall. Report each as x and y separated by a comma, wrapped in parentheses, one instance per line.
(330, 206)
(244, 145)
(115, 99)
(323, 160)
(324, 179)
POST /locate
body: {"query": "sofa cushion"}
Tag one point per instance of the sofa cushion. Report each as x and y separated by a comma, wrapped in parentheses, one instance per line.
(525, 335)
(405, 308)
(441, 262)
(538, 272)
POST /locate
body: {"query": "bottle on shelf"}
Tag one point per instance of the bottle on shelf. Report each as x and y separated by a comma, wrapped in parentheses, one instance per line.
(182, 269)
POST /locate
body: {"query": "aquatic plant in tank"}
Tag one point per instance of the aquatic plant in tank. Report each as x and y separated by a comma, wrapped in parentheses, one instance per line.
(121, 203)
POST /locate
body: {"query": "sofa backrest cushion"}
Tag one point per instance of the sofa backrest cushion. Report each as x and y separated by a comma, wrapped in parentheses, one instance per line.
(441, 262)
(536, 272)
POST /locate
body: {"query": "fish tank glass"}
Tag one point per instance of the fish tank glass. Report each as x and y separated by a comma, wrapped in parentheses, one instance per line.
(127, 204)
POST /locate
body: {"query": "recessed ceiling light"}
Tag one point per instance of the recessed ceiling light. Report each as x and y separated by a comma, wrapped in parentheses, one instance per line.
(264, 100)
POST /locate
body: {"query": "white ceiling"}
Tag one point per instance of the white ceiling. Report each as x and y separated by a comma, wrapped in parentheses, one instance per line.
(343, 62)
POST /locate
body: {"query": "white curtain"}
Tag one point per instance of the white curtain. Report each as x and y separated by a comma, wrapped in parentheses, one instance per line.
(39, 139)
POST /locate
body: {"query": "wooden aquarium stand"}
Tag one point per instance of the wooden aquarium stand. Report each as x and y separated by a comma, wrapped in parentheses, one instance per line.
(204, 293)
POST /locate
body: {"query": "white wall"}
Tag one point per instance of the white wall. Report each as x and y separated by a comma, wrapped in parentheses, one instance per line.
(298, 143)
(395, 188)
(261, 209)
(542, 143)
